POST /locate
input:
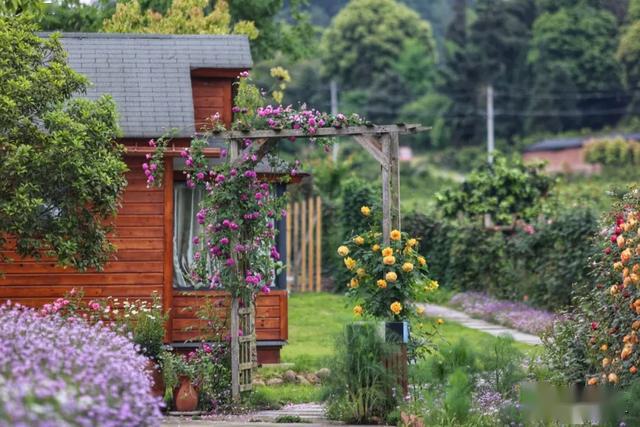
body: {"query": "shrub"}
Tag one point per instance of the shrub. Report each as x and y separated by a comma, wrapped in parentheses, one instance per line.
(539, 263)
(385, 279)
(616, 151)
(360, 386)
(56, 371)
(457, 401)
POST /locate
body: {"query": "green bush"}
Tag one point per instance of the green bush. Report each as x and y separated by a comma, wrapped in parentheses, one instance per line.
(360, 387)
(457, 400)
(540, 267)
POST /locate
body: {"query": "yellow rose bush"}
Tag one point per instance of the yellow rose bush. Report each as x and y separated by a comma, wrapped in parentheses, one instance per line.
(389, 278)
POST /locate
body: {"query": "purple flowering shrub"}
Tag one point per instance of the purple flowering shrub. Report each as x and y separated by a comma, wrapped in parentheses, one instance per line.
(515, 315)
(57, 372)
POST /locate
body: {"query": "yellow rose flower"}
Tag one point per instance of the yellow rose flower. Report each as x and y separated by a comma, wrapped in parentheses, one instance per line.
(354, 283)
(350, 263)
(391, 276)
(358, 240)
(407, 267)
(361, 272)
(432, 286)
(375, 248)
(412, 242)
(357, 310)
(422, 261)
(439, 321)
(343, 251)
(396, 308)
(382, 284)
(389, 260)
(387, 252)
(365, 210)
(420, 310)
(395, 235)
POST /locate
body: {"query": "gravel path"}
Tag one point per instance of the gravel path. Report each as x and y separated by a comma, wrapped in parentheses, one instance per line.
(452, 315)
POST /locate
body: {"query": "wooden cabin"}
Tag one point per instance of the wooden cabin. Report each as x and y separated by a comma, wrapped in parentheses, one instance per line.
(159, 83)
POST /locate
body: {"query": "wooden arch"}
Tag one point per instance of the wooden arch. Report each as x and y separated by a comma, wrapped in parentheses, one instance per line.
(382, 142)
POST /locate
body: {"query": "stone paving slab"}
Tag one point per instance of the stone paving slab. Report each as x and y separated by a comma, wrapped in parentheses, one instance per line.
(446, 313)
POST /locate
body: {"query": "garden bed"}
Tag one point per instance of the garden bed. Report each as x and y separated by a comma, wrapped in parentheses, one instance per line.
(516, 315)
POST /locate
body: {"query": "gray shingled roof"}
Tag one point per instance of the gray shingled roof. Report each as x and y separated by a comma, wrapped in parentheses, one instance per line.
(577, 142)
(148, 75)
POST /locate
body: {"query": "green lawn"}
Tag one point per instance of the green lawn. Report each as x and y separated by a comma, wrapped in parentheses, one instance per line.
(316, 319)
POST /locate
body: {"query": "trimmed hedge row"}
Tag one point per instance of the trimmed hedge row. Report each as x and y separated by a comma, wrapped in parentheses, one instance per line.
(540, 266)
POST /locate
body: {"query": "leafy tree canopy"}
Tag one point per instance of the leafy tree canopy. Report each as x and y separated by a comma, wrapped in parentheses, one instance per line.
(60, 170)
(578, 44)
(506, 191)
(366, 38)
(182, 17)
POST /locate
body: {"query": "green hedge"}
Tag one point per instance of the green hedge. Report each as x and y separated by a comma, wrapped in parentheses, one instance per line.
(541, 267)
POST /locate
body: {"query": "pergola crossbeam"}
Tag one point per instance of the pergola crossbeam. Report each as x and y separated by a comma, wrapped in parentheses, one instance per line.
(323, 132)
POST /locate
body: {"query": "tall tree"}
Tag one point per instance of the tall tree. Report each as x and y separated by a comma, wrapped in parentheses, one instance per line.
(182, 17)
(365, 39)
(492, 50)
(580, 43)
(61, 171)
(73, 15)
(628, 54)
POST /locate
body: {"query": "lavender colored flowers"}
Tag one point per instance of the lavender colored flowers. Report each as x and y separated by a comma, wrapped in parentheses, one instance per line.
(515, 315)
(59, 372)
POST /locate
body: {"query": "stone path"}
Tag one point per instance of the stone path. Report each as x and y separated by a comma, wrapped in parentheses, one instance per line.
(311, 415)
(452, 315)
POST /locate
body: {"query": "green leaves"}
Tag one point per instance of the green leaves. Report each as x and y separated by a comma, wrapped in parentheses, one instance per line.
(60, 170)
(505, 191)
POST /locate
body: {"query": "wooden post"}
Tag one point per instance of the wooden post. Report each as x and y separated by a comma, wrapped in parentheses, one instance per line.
(234, 152)
(295, 250)
(235, 351)
(303, 244)
(394, 171)
(386, 188)
(287, 259)
(310, 262)
(318, 244)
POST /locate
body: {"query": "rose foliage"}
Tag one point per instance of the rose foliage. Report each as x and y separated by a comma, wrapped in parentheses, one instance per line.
(237, 240)
(386, 279)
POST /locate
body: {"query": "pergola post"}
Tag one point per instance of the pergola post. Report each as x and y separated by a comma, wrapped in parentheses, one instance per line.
(386, 187)
(234, 153)
(394, 172)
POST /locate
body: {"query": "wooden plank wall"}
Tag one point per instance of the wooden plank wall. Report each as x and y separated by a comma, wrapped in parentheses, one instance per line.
(271, 314)
(211, 95)
(135, 271)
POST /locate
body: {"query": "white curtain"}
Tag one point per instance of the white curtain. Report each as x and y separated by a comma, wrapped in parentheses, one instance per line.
(186, 203)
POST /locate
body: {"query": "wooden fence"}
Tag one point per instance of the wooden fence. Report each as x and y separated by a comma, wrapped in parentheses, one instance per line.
(304, 245)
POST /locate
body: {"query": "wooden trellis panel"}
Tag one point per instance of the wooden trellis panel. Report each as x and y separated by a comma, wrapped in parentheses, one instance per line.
(247, 347)
(304, 245)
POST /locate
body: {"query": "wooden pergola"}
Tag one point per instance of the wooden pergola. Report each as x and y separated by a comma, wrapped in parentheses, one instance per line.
(382, 142)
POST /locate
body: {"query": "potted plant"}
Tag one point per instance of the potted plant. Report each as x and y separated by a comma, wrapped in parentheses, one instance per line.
(178, 374)
(145, 321)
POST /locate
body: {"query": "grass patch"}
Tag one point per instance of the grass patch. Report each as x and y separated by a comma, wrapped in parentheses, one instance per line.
(451, 332)
(315, 320)
(265, 397)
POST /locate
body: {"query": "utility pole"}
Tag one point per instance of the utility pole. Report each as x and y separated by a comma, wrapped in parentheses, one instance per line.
(333, 87)
(490, 134)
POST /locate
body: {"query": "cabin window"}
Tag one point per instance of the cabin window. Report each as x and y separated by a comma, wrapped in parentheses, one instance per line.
(186, 204)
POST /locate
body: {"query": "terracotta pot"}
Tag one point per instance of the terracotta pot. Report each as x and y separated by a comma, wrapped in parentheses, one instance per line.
(186, 397)
(157, 389)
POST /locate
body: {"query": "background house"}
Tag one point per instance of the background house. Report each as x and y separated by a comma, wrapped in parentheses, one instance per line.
(160, 83)
(566, 154)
